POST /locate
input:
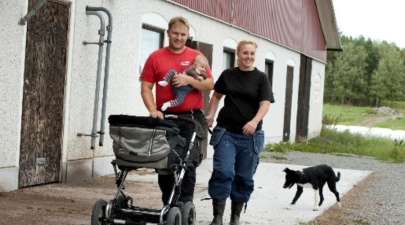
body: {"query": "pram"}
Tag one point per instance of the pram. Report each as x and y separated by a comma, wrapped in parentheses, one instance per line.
(145, 142)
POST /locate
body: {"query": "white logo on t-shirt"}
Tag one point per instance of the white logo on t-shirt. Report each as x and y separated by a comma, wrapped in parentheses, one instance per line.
(185, 63)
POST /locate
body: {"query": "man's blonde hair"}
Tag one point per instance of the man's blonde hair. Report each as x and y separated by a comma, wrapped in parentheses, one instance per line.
(179, 19)
(245, 42)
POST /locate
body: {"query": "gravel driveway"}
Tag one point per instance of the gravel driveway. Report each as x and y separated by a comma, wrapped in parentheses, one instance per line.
(377, 200)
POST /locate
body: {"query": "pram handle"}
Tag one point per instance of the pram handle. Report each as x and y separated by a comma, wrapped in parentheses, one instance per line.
(184, 118)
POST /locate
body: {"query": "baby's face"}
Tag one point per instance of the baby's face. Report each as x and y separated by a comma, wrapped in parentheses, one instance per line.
(199, 67)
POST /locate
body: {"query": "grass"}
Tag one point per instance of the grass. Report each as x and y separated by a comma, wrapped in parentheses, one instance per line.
(398, 123)
(395, 124)
(345, 114)
(358, 115)
(400, 106)
(332, 142)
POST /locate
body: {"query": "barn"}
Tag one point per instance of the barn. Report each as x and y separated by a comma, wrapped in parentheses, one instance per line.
(68, 64)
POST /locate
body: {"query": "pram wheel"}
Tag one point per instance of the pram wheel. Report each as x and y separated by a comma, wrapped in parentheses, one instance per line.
(98, 212)
(173, 216)
(188, 214)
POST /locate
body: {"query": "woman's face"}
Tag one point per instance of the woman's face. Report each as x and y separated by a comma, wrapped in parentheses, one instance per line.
(246, 56)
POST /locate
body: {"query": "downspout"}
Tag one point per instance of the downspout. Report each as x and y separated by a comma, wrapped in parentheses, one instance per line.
(32, 12)
(100, 43)
(106, 69)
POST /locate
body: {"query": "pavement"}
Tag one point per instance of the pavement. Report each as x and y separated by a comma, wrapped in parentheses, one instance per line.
(269, 203)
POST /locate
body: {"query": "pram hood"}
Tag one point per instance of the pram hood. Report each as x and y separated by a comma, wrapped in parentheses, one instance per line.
(144, 141)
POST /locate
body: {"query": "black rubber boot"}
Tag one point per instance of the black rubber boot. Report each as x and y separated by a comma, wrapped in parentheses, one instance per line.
(236, 209)
(218, 208)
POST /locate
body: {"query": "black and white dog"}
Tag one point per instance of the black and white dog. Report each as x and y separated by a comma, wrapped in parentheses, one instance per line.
(316, 177)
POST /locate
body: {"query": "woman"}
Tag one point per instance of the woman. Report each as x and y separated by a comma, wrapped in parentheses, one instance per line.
(237, 137)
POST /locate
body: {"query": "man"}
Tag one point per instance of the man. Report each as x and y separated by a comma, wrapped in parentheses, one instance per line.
(176, 57)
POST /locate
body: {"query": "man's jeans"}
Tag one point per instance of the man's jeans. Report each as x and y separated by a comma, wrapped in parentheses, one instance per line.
(236, 157)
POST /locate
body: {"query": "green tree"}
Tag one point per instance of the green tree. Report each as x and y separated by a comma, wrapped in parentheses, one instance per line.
(346, 77)
(389, 77)
(366, 72)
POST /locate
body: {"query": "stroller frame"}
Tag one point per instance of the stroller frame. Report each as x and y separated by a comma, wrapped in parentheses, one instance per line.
(121, 210)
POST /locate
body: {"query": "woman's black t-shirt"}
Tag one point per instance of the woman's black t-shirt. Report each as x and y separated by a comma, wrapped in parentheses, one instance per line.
(243, 90)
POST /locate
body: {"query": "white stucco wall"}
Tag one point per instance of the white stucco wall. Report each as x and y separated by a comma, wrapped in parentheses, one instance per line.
(124, 88)
(274, 121)
(12, 47)
(316, 100)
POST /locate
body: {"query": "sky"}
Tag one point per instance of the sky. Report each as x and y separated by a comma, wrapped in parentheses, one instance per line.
(375, 19)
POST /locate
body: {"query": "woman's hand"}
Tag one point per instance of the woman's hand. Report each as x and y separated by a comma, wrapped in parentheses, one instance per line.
(250, 128)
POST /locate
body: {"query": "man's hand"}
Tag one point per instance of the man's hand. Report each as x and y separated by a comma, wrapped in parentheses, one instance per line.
(156, 114)
(210, 120)
(181, 79)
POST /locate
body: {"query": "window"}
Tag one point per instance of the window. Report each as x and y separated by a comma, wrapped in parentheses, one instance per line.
(269, 70)
(151, 40)
(229, 58)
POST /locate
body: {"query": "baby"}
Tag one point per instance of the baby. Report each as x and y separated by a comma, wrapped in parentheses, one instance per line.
(198, 71)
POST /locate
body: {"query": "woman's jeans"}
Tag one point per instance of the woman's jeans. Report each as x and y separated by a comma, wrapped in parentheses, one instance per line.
(236, 157)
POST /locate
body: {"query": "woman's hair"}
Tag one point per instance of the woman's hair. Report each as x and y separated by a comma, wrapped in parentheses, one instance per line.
(179, 19)
(245, 42)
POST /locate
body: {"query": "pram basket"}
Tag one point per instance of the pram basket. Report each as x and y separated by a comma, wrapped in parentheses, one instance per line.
(145, 142)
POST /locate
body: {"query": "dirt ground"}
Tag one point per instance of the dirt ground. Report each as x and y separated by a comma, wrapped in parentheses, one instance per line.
(71, 204)
(68, 204)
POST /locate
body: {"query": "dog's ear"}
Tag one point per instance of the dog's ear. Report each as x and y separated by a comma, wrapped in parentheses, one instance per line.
(286, 170)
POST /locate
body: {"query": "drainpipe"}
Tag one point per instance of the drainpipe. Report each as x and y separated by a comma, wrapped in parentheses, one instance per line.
(106, 69)
(100, 43)
(32, 12)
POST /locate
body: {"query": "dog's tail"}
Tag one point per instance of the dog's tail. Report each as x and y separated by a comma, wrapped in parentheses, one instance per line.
(337, 177)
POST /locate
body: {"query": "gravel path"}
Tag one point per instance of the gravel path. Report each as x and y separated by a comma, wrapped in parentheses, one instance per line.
(377, 200)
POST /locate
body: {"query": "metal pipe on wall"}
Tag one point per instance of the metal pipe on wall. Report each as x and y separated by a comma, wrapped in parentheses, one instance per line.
(101, 33)
(32, 12)
(106, 69)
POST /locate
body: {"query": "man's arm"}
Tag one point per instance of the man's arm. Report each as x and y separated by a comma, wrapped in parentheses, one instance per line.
(182, 79)
(149, 99)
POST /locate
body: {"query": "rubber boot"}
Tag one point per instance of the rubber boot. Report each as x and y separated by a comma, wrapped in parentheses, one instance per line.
(218, 208)
(236, 209)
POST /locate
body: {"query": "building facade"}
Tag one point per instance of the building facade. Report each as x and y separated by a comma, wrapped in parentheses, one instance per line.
(48, 76)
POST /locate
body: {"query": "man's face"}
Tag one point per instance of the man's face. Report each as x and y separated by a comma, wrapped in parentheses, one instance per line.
(178, 35)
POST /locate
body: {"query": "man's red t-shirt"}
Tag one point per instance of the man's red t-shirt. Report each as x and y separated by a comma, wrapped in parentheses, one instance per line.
(159, 64)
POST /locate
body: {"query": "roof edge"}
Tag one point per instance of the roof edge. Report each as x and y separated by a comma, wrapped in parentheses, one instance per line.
(328, 23)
